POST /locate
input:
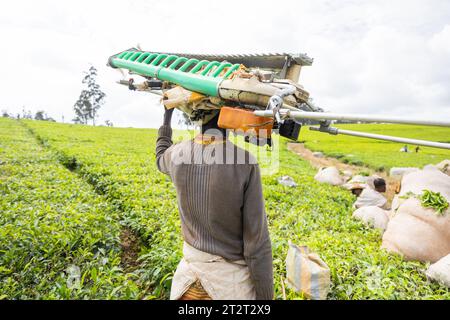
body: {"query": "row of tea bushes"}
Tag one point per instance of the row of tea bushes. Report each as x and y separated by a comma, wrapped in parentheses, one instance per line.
(59, 239)
(120, 163)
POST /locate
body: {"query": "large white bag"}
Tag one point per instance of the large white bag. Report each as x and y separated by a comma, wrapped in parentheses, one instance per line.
(401, 171)
(418, 233)
(329, 175)
(370, 197)
(372, 216)
(418, 181)
(356, 182)
(440, 271)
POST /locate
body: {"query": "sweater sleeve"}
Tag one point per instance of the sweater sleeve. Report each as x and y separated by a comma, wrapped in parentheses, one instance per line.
(163, 143)
(257, 245)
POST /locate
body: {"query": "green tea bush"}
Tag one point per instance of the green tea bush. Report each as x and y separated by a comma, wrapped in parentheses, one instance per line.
(51, 222)
(120, 164)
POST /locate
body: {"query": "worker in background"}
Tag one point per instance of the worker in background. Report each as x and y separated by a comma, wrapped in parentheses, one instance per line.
(227, 251)
(417, 149)
(380, 185)
(357, 188)
(373, 196)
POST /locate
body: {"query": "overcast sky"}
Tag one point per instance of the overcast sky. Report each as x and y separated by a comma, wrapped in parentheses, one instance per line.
(390, 57)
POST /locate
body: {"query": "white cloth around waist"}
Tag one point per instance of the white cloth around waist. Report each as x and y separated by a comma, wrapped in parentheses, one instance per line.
(221, 279)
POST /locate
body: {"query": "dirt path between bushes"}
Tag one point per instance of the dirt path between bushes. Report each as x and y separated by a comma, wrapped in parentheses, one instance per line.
(131, 246)
(130, 242)
(324, 161)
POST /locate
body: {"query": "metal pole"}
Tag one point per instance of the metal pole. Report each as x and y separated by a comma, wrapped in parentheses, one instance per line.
(383, 137)
(352, 117)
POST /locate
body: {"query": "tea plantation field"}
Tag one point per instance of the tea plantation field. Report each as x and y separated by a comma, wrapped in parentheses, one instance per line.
(51, 221)
(377, 154)
(70, 192)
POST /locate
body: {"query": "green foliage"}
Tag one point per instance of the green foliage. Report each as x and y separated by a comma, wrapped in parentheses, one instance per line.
(42, 116)
(435, 200)
(51, 220)
(364, 173)
(377, 154)
(120, 164)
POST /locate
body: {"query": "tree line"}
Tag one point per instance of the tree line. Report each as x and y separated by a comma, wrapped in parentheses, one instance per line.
(86, 107)
(27, 114)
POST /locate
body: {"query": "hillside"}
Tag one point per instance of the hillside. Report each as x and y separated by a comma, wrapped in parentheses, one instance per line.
(377, 154)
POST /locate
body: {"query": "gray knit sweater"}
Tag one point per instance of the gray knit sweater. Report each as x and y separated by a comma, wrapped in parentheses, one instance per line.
(221, 206)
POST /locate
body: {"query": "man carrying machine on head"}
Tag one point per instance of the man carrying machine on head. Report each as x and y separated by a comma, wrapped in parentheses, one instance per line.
(227, 250)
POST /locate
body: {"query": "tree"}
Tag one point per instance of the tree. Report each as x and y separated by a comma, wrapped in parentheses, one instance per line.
(40, 115)
(108, 123)
(90, 100)
(5, 114)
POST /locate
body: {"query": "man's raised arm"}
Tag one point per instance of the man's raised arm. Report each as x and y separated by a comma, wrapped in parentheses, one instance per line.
(164, 142)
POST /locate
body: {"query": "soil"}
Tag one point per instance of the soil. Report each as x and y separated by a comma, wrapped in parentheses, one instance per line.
(319, 162)
(130, 244)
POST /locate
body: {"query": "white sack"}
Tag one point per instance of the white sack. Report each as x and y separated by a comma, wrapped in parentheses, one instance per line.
(329, 175)
(287, 181)
(418, 233)
(370, 197)
(357, 181)
(430, 167)
(440, 271)
(400, 172)
(418, 181)
(372, 216)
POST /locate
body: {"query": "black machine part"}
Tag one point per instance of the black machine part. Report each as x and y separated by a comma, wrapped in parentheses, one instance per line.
(154, 84)
(289, 129)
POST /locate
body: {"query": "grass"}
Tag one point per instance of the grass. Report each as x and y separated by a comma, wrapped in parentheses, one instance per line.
(379, 155)
(119, 165)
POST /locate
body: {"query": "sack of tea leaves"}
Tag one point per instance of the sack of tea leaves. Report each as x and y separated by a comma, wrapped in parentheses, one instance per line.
(307, 273)
(416, 182)
(440, 271)
(401, 171)
(329, 175)
(373, 216)
(370, 197)
(420, 226)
